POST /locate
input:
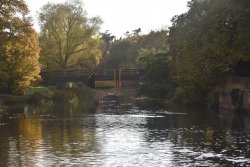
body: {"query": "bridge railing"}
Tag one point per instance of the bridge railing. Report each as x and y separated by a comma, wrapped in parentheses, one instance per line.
(117, 75)
(132, 72)
(105, 72)
(52, 77)
(65, 73)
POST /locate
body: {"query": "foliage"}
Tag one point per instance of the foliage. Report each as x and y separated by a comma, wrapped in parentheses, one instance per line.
(124, 52)
(39, 95)
(2, 107)
(19, 48)
(69, 39)
(11, 99)
(156, 40)
(153, 56)
(119, 53)
(108, 39)
(66, 94)
(157, 80)
(206, 42)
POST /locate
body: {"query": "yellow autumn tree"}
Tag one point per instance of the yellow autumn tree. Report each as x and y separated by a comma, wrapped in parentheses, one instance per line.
(68, 38)
(19, 48)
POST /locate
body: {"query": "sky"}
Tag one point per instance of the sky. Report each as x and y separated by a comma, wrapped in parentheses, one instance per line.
(120, 16)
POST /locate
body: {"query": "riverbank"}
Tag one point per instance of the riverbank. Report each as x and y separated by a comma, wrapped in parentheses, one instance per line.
(77, 95)
(10, 99)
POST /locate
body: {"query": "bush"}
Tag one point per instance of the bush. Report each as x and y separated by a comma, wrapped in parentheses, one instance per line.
(37, 94)
(66, 94)
(59, 96)
(157, 81)
(11, 99)
(189, 95)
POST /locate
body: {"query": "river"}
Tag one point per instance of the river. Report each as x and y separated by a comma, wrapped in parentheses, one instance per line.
(121, 133)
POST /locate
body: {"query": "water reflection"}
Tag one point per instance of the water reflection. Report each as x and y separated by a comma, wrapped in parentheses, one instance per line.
(35, 138)
(122, 134)
(235, 122)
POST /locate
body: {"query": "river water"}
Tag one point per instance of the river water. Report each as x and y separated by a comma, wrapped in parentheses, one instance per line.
(119, 133)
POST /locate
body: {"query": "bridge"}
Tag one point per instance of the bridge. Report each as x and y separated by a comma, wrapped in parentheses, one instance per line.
(116, 75)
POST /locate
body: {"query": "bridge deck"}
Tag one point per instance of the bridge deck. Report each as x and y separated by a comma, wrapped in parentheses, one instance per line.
(53, 77)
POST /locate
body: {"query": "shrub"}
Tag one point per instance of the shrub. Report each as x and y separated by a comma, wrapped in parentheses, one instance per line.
(37, 94)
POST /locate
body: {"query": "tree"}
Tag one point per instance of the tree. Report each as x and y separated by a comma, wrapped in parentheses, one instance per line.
(207, 41)
(157, 82)
(108, 39)
(124, 52)
(69, 39)
(19, 48)
(156, 41)
(119, 52)
(153, 56)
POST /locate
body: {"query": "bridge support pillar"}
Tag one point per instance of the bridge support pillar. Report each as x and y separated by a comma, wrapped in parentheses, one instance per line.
(117, 78)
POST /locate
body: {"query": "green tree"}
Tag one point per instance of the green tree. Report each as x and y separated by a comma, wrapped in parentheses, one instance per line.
(153, 56)
(19, 48)
(108, 39)
(158, 40)
(157, 82)
(69, 39)
(119, 53)
(124, 52)
(206, 42)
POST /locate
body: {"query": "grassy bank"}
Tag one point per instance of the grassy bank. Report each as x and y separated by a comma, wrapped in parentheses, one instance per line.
(76, 94)
(10, 99)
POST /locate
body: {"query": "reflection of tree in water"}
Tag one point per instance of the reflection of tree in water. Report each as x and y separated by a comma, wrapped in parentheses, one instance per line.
(237, 133)
(70, 132)
(30, 130)
(247, 125)
(4, 146)
(20, 141)
(230, 120)
(64, 131)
